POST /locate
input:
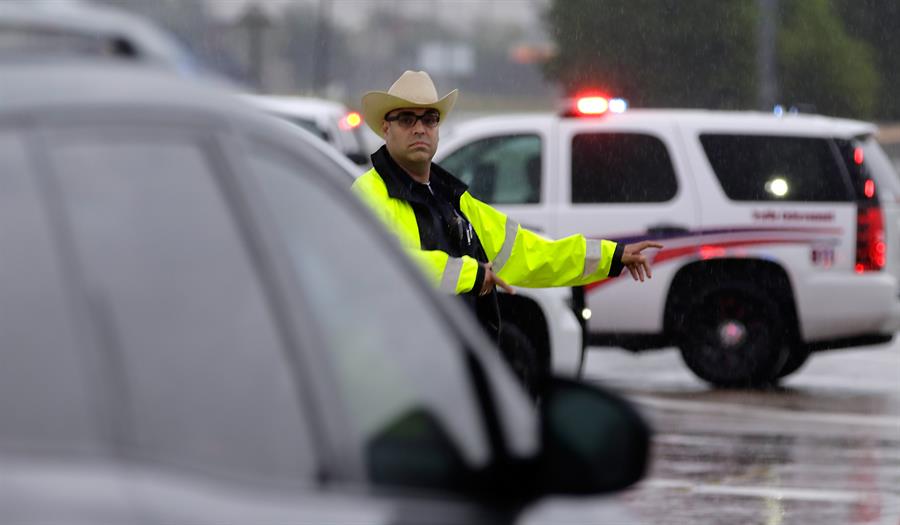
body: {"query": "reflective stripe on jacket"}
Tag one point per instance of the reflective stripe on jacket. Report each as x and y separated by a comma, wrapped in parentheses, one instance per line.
(520, 257)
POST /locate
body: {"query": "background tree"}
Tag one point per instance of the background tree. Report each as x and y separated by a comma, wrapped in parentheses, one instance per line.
(821, 64)
(702, 53)
(657, 52)
(876, 22)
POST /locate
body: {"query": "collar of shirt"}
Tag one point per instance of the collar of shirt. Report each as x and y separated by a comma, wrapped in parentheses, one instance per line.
(401, 186)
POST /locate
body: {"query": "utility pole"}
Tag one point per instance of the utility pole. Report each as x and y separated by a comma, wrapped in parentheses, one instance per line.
(765, 45)
(322, 47)
(255, 22)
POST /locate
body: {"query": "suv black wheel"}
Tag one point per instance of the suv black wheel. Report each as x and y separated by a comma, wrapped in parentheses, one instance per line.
(522, 357)
(734, 337)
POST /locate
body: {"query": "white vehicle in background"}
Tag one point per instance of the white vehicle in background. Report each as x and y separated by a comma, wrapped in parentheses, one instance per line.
(331, 121)
(42, 29)
(776, 240)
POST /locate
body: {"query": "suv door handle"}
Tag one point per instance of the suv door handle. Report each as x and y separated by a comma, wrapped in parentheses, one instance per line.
(667, 229)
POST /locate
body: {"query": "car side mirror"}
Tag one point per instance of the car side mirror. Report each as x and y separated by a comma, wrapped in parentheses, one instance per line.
(594, 441)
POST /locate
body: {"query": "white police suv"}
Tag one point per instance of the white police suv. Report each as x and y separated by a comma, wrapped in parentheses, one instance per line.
(781, 231)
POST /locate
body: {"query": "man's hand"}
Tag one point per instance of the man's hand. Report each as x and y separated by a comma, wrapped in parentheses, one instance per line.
(491, 279)
(636, 262)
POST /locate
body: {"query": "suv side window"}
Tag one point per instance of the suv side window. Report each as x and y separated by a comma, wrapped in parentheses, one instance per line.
(45, 392)
(399, 369)
(774, 168)
(180, 306)
(500, 170)
(621, 168)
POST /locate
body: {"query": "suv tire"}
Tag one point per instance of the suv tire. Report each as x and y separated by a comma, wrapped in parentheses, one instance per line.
(736, 337)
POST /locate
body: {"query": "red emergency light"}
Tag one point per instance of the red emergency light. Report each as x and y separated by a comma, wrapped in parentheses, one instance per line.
(594, 105)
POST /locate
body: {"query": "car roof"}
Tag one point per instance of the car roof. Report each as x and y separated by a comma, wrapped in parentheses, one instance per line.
(86, 19)
(749, 121)
(102, 83)
(297, 106)
(103, 87)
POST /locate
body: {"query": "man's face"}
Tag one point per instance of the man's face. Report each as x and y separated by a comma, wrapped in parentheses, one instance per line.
(411, 135)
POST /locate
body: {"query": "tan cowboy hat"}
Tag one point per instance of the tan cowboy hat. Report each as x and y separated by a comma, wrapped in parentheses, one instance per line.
(414, 89)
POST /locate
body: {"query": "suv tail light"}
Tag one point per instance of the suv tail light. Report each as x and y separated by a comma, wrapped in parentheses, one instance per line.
(870, 247)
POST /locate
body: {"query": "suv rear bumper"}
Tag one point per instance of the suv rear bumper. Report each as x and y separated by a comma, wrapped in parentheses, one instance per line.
(838, 306)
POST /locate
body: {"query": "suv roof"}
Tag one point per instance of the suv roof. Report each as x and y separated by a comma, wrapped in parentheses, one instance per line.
(746, 120)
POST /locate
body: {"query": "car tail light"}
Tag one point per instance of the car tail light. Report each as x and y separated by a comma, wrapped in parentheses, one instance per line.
(870, 247)
(869, 188)
(351, 121)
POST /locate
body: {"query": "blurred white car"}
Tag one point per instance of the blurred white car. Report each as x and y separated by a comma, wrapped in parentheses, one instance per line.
(43, 29)
(331, 121)
(200, 324)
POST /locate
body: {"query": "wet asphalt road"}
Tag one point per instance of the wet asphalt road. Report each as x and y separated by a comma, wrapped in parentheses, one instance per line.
(823, 448)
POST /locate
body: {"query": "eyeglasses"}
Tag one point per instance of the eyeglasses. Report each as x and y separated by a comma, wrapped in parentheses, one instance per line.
(408, 119)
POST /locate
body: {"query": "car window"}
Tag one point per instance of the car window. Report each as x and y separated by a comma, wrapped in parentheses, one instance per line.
(397, 366)
(309, 125)
(45, 390)
(772, 168)
(24, 41)
(180, 304)
(621, 167)
(500, 170)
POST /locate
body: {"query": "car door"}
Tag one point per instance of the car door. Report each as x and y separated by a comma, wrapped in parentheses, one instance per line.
(396, 371)
(212, 422)
(56, 449)
(625, 179)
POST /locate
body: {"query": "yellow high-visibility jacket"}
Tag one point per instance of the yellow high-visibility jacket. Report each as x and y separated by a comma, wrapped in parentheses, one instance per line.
(520, 257)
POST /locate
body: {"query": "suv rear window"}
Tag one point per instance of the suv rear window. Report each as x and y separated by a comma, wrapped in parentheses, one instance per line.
(773, 168)
(621, 167)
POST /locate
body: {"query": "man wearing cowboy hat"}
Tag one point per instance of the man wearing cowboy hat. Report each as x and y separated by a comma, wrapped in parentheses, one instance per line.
(465, 246)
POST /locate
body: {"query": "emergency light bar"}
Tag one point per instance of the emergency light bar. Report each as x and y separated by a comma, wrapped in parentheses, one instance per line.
(594, 105)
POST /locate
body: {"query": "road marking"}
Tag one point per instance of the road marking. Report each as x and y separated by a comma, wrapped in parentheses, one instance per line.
(796, 494)
(839, 418)
(880, 452)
